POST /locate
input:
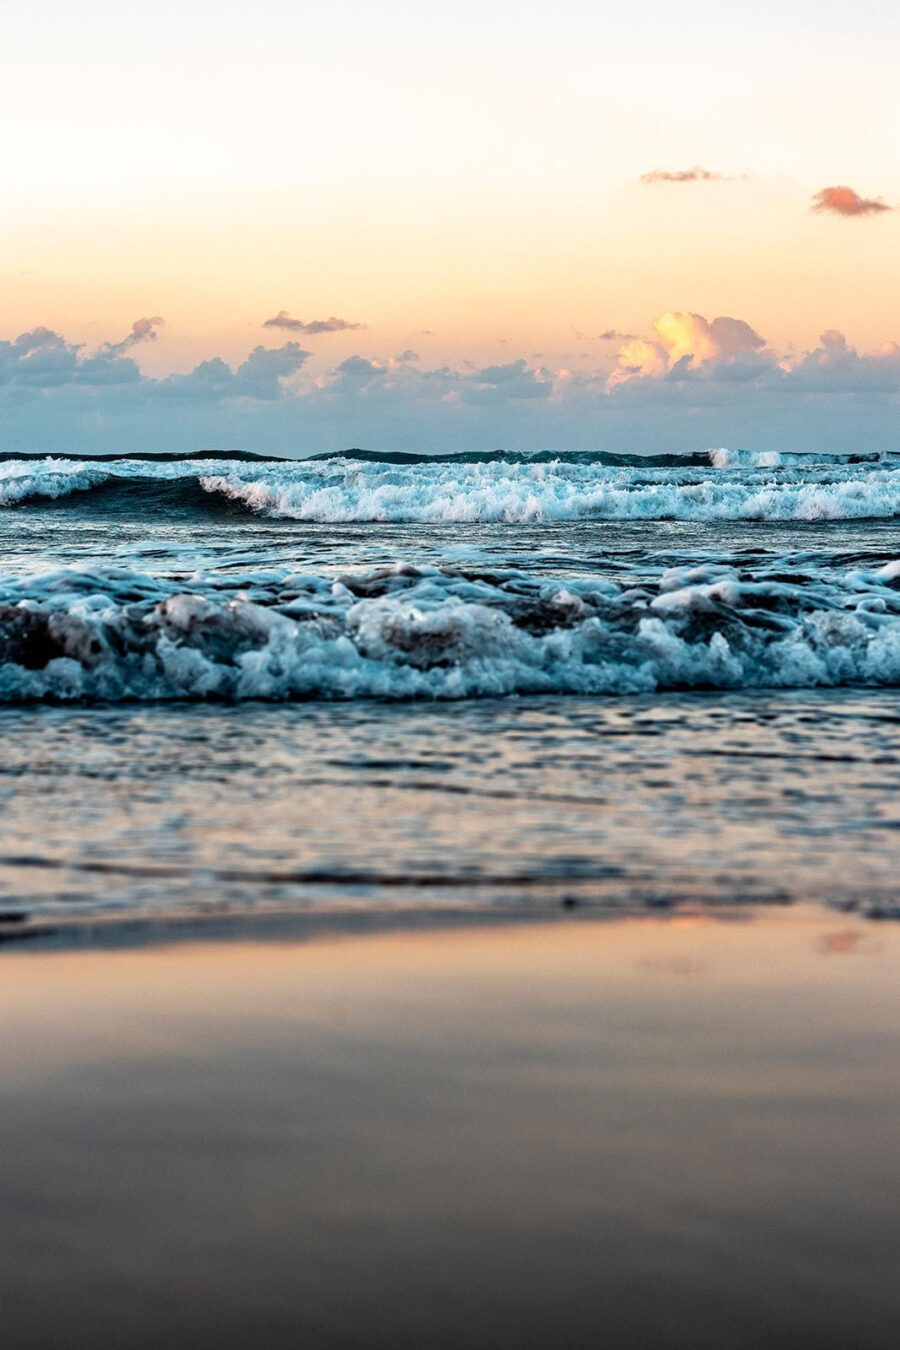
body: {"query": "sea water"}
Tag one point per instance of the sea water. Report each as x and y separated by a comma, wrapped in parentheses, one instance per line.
(361, 680)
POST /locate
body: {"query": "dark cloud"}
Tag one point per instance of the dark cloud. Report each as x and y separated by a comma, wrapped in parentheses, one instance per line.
(283, 320)
(360, 368)
(261, 376)
(358, 377)
(42, 359)
(37, 338)
(697, 174)
(514, 380)
(843, 201)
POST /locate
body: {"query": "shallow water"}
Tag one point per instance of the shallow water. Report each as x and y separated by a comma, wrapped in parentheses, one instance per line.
(680, 798)
(573, 699)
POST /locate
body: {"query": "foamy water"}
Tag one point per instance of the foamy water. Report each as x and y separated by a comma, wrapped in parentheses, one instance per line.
(719, 485)
(368, 680)
(422, 632)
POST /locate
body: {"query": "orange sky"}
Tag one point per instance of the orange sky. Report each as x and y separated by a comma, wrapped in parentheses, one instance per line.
(479, 179)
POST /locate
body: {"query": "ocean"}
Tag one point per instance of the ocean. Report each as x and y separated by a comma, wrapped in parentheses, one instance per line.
(235, 689)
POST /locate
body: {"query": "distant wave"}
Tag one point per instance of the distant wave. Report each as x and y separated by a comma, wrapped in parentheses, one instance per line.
(718, 485)
(405, 632)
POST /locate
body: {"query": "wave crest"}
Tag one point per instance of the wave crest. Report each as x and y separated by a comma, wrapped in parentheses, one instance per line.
(494, 494)
(719, 486)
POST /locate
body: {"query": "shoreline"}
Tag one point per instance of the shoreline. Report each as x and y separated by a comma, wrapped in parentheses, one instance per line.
(111, 933)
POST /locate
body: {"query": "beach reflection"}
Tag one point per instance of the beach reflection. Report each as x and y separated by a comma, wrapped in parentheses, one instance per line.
(665, 800)
(634, 1132)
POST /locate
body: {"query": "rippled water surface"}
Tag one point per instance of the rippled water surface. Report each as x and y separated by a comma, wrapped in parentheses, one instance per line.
(680, 799)
(588, 681)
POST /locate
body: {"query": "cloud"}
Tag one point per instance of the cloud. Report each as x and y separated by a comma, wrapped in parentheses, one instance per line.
(685, 343)
(608, 335)
(695, 361)
(261, 376)
(695, 175)
(402, 385)
(515, 380)
(43, 359)
(843, 201)
(142, 330)
(692, 382)
(834, 367)
(356, 373)
(283, 320)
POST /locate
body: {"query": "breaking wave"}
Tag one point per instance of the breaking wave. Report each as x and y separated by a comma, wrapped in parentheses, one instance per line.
(361, 487)
(405, 632)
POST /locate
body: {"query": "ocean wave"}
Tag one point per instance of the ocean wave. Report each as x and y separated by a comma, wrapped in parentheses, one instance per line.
(494, 494)
(26, 480)
(721, 485)
(406, 632)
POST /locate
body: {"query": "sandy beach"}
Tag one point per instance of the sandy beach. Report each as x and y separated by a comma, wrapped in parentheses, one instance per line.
(651, 1132)
(449, 655)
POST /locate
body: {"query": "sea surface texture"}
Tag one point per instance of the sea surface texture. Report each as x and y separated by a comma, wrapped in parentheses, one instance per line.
(240, 685)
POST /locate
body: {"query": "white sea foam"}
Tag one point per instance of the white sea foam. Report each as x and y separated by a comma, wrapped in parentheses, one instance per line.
(519, 493)
(723, 485)
(405, 633)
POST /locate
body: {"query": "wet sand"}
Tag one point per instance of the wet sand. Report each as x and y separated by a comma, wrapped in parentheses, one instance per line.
(657, 1132)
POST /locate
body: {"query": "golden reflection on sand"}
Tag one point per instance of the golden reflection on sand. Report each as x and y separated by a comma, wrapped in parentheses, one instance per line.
(643, 1133)
(54, 1002)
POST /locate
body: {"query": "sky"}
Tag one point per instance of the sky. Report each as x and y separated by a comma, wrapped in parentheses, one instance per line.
(588, 226)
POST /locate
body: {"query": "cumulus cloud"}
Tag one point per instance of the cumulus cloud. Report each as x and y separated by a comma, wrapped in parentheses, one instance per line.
(283, 320)
(261, 376)
(43, 359)
(696, 361)
(356, 373)
(843, 201)
(687, 342)
(697, 174)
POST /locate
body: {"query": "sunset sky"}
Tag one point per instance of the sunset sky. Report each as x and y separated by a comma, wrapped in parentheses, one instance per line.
(500, 203)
